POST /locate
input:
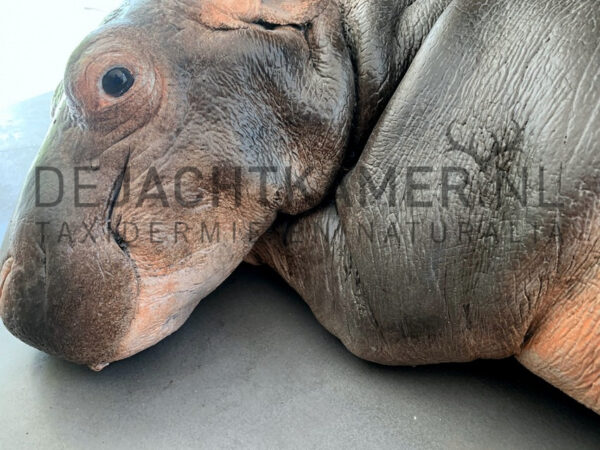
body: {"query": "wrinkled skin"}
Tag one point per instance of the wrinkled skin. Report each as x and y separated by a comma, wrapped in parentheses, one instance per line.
(487, 87)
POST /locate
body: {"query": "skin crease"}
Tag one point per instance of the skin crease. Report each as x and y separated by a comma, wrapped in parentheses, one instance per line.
(488, 87)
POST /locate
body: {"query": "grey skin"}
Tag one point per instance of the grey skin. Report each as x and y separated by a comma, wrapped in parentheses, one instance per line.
(405, 114)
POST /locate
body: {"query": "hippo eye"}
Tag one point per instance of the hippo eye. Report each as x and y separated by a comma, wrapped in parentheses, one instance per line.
(117, 81)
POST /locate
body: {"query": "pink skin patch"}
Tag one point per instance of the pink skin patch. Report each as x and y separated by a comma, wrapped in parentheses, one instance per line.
(4, 274)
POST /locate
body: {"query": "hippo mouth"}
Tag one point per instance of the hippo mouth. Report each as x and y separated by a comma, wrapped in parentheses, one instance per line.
(111, 224)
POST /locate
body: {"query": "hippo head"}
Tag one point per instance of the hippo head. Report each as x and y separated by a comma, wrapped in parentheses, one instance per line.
(180, 131)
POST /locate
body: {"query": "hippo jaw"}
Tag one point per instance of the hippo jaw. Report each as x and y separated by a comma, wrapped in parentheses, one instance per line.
(203, 101)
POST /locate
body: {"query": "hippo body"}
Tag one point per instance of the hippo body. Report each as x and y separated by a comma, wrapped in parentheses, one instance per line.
(422, 172)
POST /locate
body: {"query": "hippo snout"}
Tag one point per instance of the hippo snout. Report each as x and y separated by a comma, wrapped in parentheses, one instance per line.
(4, 274)
(73, 302)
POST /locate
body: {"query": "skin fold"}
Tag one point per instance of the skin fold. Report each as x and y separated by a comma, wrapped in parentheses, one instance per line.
(357, 147)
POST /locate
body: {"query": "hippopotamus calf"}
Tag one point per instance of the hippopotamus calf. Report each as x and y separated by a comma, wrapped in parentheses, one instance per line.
(424, 173)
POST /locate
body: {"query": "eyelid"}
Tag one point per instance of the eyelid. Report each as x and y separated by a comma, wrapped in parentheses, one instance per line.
(270, 26)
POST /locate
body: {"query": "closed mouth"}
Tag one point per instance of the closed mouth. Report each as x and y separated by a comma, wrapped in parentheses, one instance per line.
(112, 227)
(6, 269)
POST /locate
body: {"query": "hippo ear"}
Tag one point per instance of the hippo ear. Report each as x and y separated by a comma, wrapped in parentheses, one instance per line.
(240, 13)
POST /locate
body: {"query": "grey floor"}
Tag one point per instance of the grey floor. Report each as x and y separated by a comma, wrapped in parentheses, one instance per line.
(253, 369)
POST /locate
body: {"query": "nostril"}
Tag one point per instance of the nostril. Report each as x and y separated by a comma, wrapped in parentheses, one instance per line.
(6, 269)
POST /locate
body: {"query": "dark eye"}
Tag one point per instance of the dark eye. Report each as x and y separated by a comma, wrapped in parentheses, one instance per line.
(117, 81)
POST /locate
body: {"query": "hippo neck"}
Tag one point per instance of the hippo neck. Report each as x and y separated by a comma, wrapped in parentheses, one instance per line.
(384, 37)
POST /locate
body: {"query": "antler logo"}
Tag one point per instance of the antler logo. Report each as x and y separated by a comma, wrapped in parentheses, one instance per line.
(487, 147)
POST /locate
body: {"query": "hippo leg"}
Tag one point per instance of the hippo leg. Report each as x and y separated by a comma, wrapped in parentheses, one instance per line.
(565, 348)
